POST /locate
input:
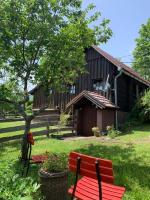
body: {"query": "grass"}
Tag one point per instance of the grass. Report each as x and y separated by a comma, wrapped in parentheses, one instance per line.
(130, 154)
(136, 134)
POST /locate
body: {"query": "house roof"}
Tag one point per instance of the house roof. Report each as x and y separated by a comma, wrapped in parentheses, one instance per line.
(128, 70)
(97, 99)
(34, 89)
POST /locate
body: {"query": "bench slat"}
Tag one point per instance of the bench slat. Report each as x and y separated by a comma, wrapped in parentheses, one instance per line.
(91, 167)
(91, 174)
(87, 187)
(91, 160)
(92, 192)
(107, 185)
(106, 189)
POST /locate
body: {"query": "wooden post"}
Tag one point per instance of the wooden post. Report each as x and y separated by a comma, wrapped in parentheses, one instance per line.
(47, 130)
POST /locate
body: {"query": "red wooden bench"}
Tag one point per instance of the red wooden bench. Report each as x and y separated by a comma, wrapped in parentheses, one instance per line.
(97, 178)
(35, 159)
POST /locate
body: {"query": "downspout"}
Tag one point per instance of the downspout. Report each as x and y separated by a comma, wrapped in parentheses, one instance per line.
(116, 98)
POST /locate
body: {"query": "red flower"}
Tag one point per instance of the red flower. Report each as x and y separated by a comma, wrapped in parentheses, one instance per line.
(30, 138)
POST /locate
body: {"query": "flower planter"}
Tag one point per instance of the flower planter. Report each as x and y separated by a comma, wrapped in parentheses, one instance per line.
(96, 131)
(53, 185)
(97, 134)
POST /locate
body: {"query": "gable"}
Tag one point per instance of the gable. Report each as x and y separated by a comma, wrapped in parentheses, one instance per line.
(127, 70)
(94, 97)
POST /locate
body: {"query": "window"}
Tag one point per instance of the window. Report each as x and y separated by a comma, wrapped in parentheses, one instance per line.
(72, 89)
(98, 85)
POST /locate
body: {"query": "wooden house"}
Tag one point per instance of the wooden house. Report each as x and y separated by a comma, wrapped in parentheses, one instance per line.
(107, 77)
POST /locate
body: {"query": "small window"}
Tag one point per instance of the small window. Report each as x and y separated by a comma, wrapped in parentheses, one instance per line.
(72, 89)
(98, 85)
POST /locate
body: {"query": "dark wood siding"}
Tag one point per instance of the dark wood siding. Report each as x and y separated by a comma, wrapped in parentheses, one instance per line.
(97, 67)
(126, 92)
(39, 99)
(123, 92)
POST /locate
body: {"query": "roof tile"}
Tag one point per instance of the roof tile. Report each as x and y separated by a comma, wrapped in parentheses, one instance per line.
(94, 97)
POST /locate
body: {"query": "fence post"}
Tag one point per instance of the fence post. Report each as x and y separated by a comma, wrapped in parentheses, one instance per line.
(47, 129)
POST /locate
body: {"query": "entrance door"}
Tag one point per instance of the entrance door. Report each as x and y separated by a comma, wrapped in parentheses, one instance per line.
(87, 120)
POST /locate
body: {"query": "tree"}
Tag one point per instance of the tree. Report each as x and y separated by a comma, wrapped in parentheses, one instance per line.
(11, 90)
(142, 51)
(43, 41)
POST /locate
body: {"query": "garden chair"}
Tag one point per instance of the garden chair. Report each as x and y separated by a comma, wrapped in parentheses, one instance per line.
(35, 159)
(97, 179)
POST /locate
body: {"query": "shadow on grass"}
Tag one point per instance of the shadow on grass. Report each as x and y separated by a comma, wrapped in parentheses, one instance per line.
(15, 145)
(9, 147)
(139, 127)
(128, 166)
(130, 169)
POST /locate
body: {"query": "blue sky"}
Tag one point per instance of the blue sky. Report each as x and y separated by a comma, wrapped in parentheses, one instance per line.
(126, 18)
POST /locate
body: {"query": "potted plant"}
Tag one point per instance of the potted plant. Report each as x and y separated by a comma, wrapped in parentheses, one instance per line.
(96, 131)
(53, 177)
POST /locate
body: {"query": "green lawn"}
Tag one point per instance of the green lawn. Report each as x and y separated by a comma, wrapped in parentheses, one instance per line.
(130, 155)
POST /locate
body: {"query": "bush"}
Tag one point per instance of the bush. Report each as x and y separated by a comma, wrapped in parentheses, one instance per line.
(145, 103)
(55, 163)
(141, 111)
(112, 133)
(64, 119)
(14, 187)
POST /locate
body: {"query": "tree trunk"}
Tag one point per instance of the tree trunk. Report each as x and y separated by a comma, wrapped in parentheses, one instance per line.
(24, 151)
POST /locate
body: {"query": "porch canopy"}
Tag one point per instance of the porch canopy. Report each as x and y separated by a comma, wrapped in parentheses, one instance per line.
(94, 97)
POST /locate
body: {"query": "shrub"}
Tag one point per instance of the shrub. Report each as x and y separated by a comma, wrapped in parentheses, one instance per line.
(127, 127)
(145, 103)
(141, 111)
(112, 133)
(14, 187)
(64, 119)
(55, 163)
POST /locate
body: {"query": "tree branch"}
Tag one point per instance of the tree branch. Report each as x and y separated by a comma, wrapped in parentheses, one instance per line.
(33, 59)
(23, 51)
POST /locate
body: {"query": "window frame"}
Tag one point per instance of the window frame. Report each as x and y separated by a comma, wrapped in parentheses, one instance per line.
(96, 81)
(72, 89)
